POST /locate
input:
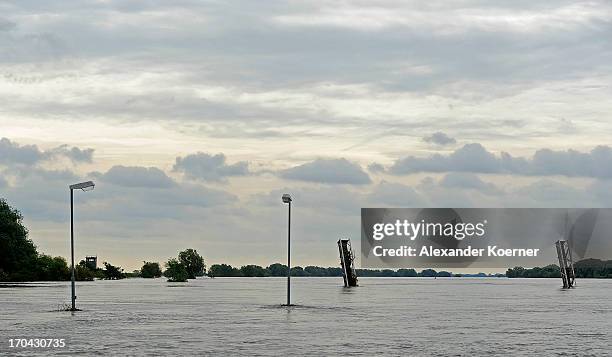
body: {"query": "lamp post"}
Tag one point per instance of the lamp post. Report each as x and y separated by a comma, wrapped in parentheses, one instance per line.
(84, 186)
(287, 199)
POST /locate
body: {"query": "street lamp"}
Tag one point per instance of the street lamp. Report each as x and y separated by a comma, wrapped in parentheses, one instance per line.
(84, 186)
(287, 199)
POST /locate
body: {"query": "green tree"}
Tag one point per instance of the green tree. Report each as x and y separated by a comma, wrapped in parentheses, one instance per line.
(18, 255)
(551, 271)
(278, 269)
(52, 269)
(408, 273)
(315, 271)
(19, 259)
(193, 262)
(364, 272)
(84, 273)
(150, 270)
(593, 268)
(387, 273)
(223, 270)
(253, 270)
(134, 274)
(112, 272)
(516, 272)
(297, 271)
(176, 271)
(428, 273)
(334, 271)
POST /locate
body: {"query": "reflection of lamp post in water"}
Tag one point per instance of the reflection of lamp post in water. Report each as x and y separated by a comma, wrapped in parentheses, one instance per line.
(84, 186)
(287, 199)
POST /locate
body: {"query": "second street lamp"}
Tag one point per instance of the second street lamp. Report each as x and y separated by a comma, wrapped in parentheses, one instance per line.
(287, 199)
(84, 186)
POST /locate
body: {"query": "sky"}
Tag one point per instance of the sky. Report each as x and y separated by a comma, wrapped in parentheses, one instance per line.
(194, 117)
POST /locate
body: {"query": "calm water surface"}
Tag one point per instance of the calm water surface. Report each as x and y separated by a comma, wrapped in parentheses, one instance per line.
(243, 316)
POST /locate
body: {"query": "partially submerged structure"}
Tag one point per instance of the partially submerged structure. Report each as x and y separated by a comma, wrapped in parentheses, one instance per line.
(347, 261)
(566, 264)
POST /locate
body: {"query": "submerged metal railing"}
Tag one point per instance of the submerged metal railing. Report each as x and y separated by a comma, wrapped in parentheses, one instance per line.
(347, 261)
(566, 264)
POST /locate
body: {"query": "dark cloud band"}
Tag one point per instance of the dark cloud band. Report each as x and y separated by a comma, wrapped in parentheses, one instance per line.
(545, 162)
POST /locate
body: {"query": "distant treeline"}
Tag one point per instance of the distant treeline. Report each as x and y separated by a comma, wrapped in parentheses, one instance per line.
(277, 269)
(587, 268)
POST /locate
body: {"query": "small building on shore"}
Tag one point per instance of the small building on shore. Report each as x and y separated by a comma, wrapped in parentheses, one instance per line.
(92, 262)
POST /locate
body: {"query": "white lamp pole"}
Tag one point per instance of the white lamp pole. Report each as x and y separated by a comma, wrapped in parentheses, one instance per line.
(84, 186)
(287, 199)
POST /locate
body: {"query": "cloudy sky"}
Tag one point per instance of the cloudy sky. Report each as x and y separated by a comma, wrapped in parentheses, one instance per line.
(193, 117)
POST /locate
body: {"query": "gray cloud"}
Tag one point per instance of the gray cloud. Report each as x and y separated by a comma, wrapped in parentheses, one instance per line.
(551, 193)
(439, 138)
(470, 157)
(122, 193)
(6, 25)
(467, 180)
(63, 175)
(475, 158)
(467, 190)
(40, 194)
(376, 167)
(596, 163)
(335, 171)
(395, 195)
(182, 202)
(136, 176)
(208, 167)
(452, 190)
(602, 190)
(11, 152)
(14, 153)
(73, 153)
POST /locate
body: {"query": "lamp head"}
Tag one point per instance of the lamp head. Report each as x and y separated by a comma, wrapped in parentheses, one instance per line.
(85, 186)
(286, 198)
